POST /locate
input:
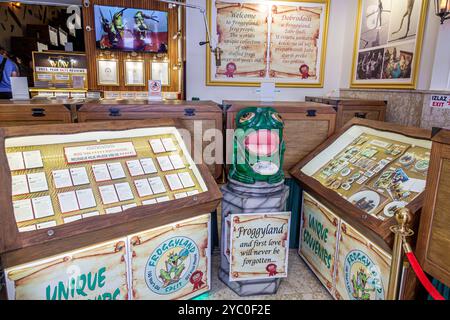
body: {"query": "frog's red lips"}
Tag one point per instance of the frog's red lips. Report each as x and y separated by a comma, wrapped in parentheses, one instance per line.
(262, 142)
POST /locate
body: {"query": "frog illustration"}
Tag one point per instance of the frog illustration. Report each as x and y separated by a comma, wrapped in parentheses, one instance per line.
(174, 267)
(359, 283)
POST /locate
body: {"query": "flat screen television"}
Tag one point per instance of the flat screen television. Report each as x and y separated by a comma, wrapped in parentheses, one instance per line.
(129, 29)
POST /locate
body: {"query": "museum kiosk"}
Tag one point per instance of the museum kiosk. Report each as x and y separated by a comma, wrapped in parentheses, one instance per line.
(354, 184)
(180, 150)
(122, 204)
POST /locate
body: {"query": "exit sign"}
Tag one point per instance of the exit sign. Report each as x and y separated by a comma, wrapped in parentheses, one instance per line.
(440, 102)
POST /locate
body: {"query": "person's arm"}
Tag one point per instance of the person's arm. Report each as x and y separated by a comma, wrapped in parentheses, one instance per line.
(15, 71)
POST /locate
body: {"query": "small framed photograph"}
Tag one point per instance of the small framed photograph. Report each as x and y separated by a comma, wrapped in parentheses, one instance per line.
(160, 71)
(135, 73)
(107, 72)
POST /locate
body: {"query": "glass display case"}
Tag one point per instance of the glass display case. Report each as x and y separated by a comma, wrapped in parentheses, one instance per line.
(72, 188)
(353, 185)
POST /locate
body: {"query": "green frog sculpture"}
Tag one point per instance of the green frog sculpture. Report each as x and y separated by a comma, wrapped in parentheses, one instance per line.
(259, 147)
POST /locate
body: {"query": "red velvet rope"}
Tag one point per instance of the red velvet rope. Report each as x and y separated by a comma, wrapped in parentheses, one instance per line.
(423, 278)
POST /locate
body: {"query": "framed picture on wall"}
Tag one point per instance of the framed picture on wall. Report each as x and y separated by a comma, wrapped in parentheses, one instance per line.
(107, 72)
(160, 71)
(135, 73)
(283, 42)
(388, 43)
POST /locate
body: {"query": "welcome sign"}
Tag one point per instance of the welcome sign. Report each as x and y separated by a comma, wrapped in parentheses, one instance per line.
(259, 246)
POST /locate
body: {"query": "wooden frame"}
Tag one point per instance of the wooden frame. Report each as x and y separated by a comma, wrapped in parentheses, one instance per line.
(153, 63)
(280, 83)
(365, 109)
(185, 111)
(354, 83)
(429, 237)
(126, 71)
(116, 82)
(18, 248)
(93, 53)
(377, 231)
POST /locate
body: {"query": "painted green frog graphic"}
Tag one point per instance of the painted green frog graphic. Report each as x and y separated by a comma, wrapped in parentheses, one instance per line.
(174, 267)
(359, 283)
(258, 147)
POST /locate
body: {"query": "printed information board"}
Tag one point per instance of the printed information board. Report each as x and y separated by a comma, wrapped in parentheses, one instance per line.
(259, 246)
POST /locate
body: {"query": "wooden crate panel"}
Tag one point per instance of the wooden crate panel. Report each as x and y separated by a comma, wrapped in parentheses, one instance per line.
(318, 232)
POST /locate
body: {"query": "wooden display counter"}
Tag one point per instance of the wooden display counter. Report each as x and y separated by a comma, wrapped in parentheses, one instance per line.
(306, 126)
(353, 108)
(433, 241)
(19, 113)
(199, 117)
(121, 203)
(353, 184)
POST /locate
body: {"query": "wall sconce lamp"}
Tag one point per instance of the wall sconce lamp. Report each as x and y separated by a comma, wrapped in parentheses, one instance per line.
(16, 4)
(443, 9)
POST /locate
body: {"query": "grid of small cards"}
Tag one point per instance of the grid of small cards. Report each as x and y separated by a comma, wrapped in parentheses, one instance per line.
(45, 196)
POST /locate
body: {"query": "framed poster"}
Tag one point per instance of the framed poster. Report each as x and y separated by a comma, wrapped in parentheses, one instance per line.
(259, 246)
(160, 71)
(279, 41)
(134, 73)
(107, 72)
(53, 35)
(388, 43)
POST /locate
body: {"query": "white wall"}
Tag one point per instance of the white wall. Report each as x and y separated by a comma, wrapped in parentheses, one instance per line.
(339, 56)
(441, 70)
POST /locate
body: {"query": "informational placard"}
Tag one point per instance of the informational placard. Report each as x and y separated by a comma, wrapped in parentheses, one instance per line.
(61, 69)
(259, 246)
(172, 262)
(154, 90)
(99, 152)
(96, 273)
(440, 102)
(280, 41)
(19, 86)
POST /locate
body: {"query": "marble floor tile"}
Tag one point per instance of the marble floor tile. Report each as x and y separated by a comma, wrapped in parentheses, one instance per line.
(301, 284)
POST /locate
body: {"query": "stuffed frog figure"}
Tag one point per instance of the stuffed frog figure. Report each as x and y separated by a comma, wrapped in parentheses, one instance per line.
(258, 147)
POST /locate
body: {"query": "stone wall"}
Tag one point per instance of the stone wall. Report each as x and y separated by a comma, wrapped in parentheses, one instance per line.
(406, 107)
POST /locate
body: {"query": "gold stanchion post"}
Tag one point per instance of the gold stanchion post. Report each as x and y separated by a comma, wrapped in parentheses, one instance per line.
(401, 231)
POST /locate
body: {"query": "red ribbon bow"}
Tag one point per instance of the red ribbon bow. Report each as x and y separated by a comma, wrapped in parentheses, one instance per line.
(272, 270)
(196, 280)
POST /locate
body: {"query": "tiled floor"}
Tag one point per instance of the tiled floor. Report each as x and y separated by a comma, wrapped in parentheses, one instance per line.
(300, 285)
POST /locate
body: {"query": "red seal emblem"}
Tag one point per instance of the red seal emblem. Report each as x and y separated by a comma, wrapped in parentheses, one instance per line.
(196, 280)
(272, 269)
